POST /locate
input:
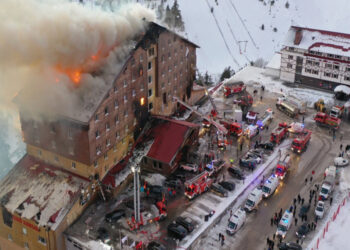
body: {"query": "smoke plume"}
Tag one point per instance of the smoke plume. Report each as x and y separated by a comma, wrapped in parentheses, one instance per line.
(50, 48)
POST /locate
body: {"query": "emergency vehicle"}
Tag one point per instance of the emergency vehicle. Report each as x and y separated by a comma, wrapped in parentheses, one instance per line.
(322, 119)
(270, 186)
(282, 166)
(251, 131)
(284, 224)
(197, 185)
(300, 143)
(251, 117)
(279, 133)
(253, 200)
(288, 108)
(265, 119)
(234, 128)
(236, 221)
(233, 88)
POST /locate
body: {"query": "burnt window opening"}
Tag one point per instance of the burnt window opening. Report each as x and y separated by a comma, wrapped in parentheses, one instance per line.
(164, 98)
(7, 217)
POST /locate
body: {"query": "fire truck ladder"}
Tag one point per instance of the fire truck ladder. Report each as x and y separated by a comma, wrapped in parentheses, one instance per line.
(196, 178)
(101, 190)
(221, 128)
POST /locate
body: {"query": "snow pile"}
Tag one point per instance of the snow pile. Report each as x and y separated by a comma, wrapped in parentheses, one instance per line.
(275, 62)
(155, 179)
(342, 88)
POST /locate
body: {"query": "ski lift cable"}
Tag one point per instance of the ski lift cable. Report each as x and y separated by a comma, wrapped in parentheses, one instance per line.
(237, 42)
(245, 27)
(223, 37)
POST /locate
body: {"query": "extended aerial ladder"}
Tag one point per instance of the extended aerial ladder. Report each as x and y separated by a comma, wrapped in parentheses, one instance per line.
(214, 111)
(220, 127)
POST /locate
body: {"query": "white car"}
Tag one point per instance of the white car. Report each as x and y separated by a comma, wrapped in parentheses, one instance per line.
(189, 167)
(341, 162)
(319, 210)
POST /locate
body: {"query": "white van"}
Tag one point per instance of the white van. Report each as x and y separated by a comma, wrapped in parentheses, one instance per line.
(270, 186)
(284, 224)
(236, 221)
(253, 199)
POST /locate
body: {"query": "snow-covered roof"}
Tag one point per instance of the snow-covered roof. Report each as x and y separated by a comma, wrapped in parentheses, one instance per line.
(342, 88)
(319, 40)
(275, 62)
(40, 192)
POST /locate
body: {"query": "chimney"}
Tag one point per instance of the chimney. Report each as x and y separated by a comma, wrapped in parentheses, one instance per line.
(298, 36)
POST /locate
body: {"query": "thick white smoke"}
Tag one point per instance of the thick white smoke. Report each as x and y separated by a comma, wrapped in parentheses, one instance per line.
(44, 43)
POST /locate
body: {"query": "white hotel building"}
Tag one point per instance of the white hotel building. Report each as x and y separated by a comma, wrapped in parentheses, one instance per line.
(316, 58)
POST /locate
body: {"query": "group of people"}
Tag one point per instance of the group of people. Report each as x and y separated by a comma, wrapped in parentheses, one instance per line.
(222, 239)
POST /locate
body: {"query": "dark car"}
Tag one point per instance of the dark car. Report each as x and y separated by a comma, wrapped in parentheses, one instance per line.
(154, 245)
(266, 145)
(115, 215)
(156, 192)
(173, 183)
(248, 163)
(103, 235)
(218, 190)
(289, 246)
(186, 222)
(227, 185)
(304, 209)
(303, 230)
(177, 231)
(236, 172)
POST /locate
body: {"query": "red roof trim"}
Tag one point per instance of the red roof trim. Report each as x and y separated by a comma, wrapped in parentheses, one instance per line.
(324, 32)
(319, 44)
(327, 58)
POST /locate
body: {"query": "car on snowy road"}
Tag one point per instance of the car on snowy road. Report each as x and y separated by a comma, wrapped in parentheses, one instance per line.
(304, 209)
(189, 167)
(341, 162)
(248, 163)
(303, 230)
(289, 246)
(266, 145)
(177, 231)
(319, 210)
(186, 222)
(227, 185)
(218, 190)
(236, 173)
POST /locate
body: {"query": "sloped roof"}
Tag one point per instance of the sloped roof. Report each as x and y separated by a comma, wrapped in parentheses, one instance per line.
(34, 188)
(168, 138)
(319, 40)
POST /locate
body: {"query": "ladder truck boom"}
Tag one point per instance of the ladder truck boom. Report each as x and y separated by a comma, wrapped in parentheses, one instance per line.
(220, 127)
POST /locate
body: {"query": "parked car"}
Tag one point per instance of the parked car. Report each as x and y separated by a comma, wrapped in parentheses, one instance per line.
(341, 162)
(218, 190)
(236, 172)
(156, 192)
(177, 231)
(266, 145)
(304, 209)
(289, 246)
(258, 152)
(252, 156)
(154, 245)
(189, 167)
(186, 222)
(227, 185)
(303, 230)
(103, 235)
(173, 183)
(319, 210)
(115, 215)
(248, 163)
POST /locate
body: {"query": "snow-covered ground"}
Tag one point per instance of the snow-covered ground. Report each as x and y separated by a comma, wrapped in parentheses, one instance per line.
(338, 230)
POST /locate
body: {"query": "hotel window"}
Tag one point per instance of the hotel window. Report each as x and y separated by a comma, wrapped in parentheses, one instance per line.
(39, 152)
(108, 142)
(315, 72)
(52, 129)
(149, 79)
(169, 55)
(163, 58)
(149, 65)
(116, 119)
(42, 240)
(56, 159)
(125, 83)
(133, 93)
(338, 57)
(347, 69)
(336, 67)
(125, 98)
(95, 164)
(106, 156)
(290, 57)
(347, 78)
(115, 88)
(309, 62)
(151, 52)
(126, 128)
(117, 135)
(327, 74)
(126, 113)
(116, 104)
(115, 148)
(149, 92)
(335, 76)
(9, 237)
(26, 245)
(308, 71)
(317, 63)
(70, 136)
(98, 150)
(106, 111)
(289, 65)
(108, 127)
(329, 66)
(71, 150)
(97, 134)
(24, 230)
(150, 106)
(96, 118)
(74, 165)
(53, 144)
(141, 58)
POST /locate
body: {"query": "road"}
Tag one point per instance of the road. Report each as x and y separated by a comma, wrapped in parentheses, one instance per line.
(257, 228)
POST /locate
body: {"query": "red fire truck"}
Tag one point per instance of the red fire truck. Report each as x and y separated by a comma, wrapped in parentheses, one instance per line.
(279, 133)
(300, 143)
(233, 128)
(233, 88)
(283, 166)
(322, 119)
(198, 185)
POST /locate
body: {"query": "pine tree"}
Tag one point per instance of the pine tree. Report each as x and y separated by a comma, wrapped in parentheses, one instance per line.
(160, 11)
(177, 17)
(227, 73)
(168, 18)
